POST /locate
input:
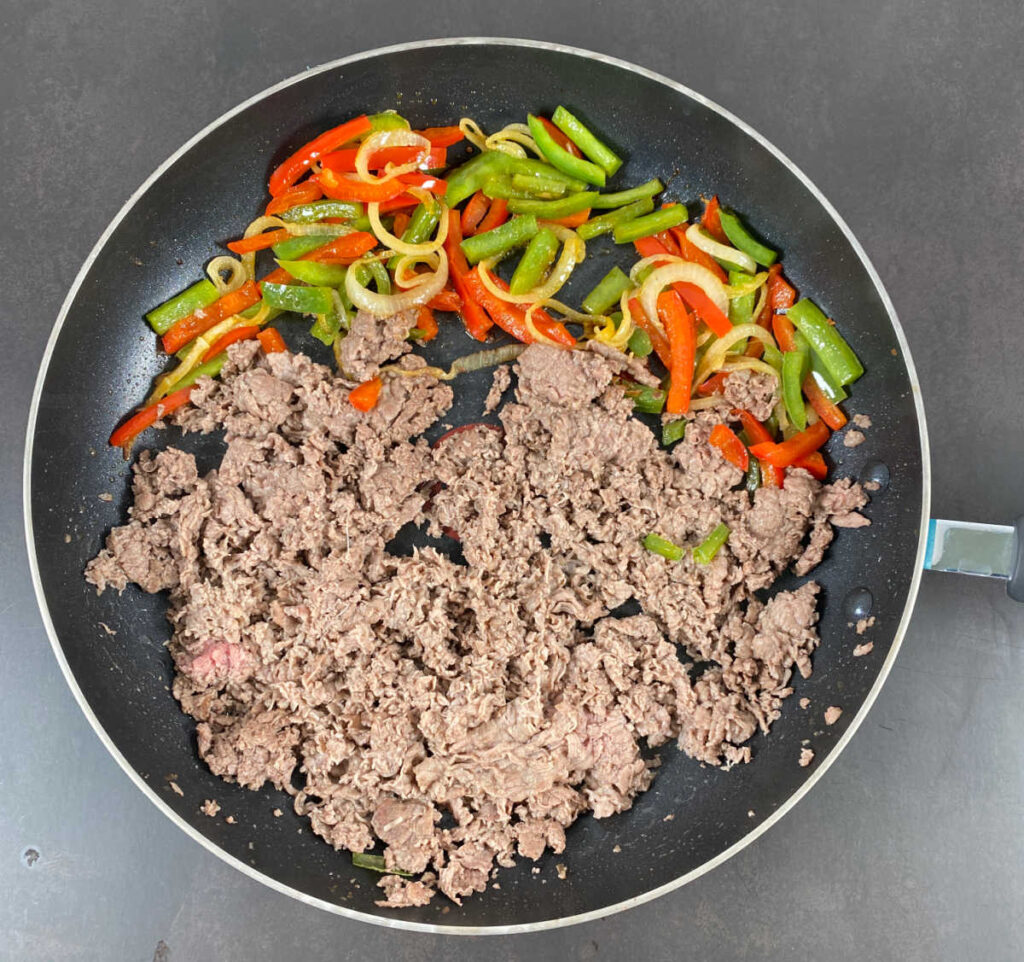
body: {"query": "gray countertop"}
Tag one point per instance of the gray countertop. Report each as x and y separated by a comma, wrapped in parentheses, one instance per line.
(909, 116)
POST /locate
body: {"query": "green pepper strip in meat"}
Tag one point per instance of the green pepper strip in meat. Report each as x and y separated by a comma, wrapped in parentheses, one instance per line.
(201, 294)
(573, 128)
(606, 222)
(561, 159)
(609, 291)
(539, 255)
(826, 342)
(553, 209)
(674, 431)
(663, 546)
(649, 224)
(647, 400)
(742, 240)
(705, 552)
(640, 343)
(494, 243)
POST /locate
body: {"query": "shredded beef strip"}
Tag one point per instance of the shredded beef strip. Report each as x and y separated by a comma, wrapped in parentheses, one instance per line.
(383, 691)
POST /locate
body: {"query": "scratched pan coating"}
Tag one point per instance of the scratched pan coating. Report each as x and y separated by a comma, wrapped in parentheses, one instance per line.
(216, 184)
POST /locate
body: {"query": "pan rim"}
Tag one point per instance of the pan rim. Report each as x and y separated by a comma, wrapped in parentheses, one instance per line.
(549, 924)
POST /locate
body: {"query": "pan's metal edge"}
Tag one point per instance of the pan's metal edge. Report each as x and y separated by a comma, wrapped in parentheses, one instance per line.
(532, 926)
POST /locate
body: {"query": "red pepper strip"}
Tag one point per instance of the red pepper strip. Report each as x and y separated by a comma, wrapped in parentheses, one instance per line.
(304, 193)
(436, 185)
(787, 453)
(258, 242)
(705, 308)
(564, 142)
(399, 202)
(344, 161)
(785, 333)
(658, 340)
(344, 249)
(830, 413)
(512, 319)
(732, 448)
(296, 165)
(442, 136)
(693, 254)
(713, 385)
(781, 294)
(402, 219)
(235, 334)
(814, 464)
(181, 332)
(277, 276)
(427, 323)
(365, 397)
(682, 340)
(342, 187)
(771, 476)
(124, 435)
(572, 221)
(711, 222)
(496, 216)
(649, 247)
(473, 315)
(474, 212)
(271, 341)
(446, 300)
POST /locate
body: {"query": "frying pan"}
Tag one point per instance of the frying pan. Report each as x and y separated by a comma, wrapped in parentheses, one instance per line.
(111, 648)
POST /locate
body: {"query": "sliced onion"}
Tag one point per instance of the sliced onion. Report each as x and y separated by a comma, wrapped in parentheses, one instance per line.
(720, 252)
(570, 314)
(235, 270)
(739, 363)
(653, 261)
(387, 305)
(403, 247)
(472, 132)
(511, 139)
(461, 365)
(389, 138)
(404, 274)
(686, 273)
(746, 287)
(715, 357)
(761, 298)
(704, 403)
(573, 252)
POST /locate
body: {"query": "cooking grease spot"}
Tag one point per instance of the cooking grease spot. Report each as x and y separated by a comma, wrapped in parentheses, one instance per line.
(875, 472)
(857, 604)
(29, 857)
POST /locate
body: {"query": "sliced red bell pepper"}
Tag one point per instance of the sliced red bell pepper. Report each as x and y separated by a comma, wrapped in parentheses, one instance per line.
(365, 397)
(787, 453)
(343, 250)
(403, 200)
(127, 432)
(649, 246)
(271, 341)
(235, 334)
(473, 315)
(183, 331)
(771, 476)
(732, 448)
(781, 294)
(706, 309)
(658, 340)
(344, 161)
(682, 340)
(559, 138)
(829, 412)
(496, 215)
(277, 276)
(446, 300)
(785, 332)
(342, 187)
(814, 464)
(402, 219)
(572, 221)
(442, 136)
(258, 242)
(710, 220)
(713, 385)
(512, 319)
(299, 162)
(304, 193)
(427, 323)
(436, 185)
(693, 254)
(474, 212)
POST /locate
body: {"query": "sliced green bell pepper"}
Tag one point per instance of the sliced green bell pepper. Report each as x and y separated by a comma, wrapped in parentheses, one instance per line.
(606, 222)
(609, 291)
(742, 240)
(705, 552)
(201, 294)
(837, 356)
(582, 137)
(561, 159)
(623, 197)
(301, 300)
(494, 243)
(664, 547)
(652, 223)
(539, 255)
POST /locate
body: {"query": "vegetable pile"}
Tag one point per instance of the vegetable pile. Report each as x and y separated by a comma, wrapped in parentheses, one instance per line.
(370, 216)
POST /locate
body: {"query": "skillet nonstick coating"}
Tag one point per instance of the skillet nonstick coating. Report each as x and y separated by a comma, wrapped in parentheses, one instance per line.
(103, 359)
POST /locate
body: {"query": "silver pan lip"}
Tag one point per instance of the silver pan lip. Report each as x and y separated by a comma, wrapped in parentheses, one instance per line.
(394, 923)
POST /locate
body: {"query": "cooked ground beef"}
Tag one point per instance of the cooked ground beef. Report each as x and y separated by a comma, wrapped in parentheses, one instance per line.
(383, 690)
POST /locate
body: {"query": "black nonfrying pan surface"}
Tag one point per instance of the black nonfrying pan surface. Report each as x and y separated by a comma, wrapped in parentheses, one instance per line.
(200, 198)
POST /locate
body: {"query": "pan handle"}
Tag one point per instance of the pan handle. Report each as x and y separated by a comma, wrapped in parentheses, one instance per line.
(970, 548)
